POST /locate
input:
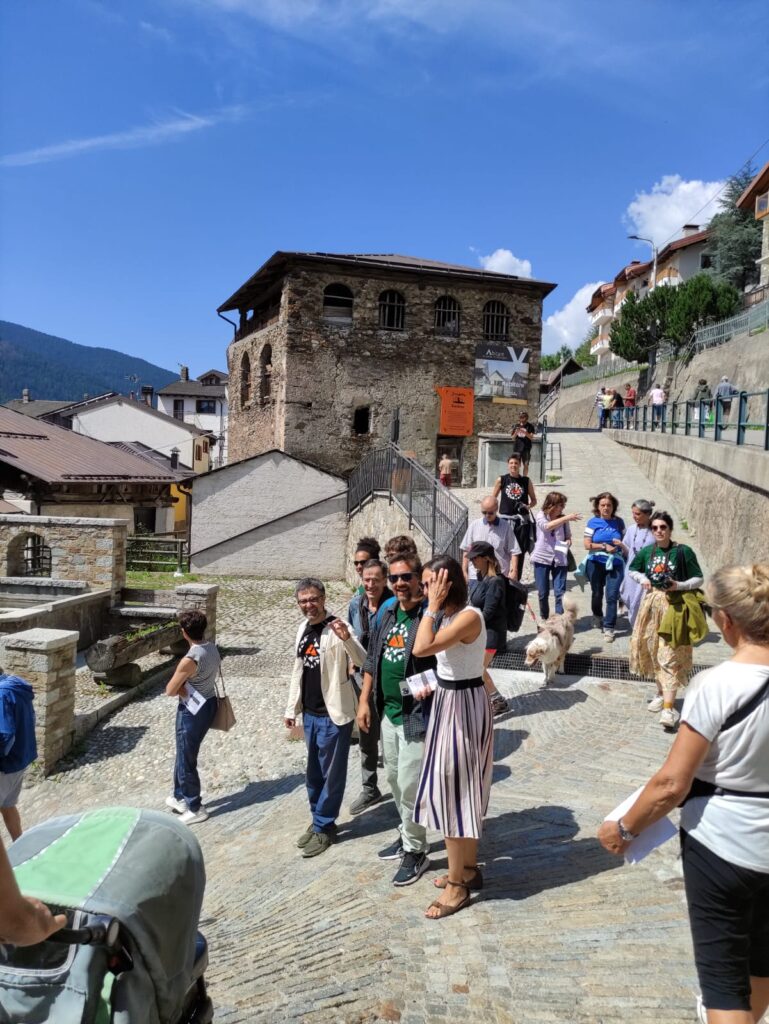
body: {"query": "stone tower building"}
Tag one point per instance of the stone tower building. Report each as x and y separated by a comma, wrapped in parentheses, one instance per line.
(328, 349)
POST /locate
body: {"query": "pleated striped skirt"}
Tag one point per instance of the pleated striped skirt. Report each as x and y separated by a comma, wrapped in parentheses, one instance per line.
(455, 780)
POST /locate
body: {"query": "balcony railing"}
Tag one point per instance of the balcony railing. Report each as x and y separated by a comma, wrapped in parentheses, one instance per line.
(603, 315)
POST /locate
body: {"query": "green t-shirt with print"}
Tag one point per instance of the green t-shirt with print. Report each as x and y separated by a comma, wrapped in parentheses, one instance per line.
(392, 668)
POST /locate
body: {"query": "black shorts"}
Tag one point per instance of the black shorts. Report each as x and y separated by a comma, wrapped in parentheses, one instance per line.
(729, 918)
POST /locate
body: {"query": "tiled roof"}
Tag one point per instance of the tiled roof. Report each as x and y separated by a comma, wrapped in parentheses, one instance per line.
(681, 243)
(36, 407)
(278, 262)
(57, 455)
(219, 373)
(757, 187)
(145, 452)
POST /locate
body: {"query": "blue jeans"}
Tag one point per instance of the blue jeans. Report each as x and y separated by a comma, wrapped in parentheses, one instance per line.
(616, 419)
(609, 582)
(629, 412)
(327, 748)
(542, 574)
(190, 730)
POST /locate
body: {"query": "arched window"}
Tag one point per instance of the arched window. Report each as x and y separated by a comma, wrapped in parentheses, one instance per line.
(496, 321)
(337, 303)
(29, 555)
(447, 311)
(245, 380)
(265, 374)
(392, 311)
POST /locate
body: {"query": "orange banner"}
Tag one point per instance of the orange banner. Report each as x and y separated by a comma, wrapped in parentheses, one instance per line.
(456, 412)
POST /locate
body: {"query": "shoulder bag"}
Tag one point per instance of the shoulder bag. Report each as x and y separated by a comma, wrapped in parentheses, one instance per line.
(224, 717)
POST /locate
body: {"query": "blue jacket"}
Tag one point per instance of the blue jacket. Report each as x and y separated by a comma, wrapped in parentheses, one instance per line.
(18, 747)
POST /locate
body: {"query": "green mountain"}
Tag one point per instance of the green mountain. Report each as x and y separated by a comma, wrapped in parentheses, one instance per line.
(55, 368)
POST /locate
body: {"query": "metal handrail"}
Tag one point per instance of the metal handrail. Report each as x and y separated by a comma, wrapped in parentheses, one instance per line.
(706, 419)
(432, 508)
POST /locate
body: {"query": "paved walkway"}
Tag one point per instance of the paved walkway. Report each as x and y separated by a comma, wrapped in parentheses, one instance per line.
(592, 463)
(562, 932)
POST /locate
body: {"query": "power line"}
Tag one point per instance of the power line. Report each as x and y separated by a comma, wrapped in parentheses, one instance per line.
(715, 195)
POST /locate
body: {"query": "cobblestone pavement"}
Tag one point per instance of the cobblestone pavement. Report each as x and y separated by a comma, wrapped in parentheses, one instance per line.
(562, 932)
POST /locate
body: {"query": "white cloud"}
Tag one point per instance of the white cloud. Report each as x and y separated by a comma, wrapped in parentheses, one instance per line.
(148, 135)
(672, 202)
(570, 324)
(157, 31)
(502, 261)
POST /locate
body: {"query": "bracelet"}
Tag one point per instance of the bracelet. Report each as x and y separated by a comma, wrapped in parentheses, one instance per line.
(624, 833)
(430, 615)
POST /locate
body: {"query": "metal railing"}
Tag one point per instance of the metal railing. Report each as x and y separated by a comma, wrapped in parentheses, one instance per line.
(752, 320)
(157, 554)
(547, 401)
(607, 368)
(710, 419)
(430, 506)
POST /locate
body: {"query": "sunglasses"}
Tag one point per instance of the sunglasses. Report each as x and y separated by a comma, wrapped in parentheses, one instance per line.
(661, 528)
(361, 561)
(407, 577)
(490, 512)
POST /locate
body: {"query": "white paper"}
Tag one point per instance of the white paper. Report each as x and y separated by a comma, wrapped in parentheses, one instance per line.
(652, 837)
(420, 681)
(193, 699)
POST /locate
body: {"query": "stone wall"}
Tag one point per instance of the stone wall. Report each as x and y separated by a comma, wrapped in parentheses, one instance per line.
(322, 371)
(575, 406)
(382, 520)
(45, 658)
(92, 550)
(721, 490)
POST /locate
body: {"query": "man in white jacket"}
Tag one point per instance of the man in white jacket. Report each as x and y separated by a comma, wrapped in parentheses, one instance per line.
(321, 690)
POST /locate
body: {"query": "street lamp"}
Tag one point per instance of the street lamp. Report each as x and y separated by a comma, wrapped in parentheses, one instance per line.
(640, 238)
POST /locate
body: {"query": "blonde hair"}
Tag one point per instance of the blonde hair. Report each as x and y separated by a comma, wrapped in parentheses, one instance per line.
(743, 592)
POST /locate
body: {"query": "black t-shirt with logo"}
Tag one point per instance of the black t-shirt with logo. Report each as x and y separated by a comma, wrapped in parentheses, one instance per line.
(309, 652)
(514, 496)
(521, 443)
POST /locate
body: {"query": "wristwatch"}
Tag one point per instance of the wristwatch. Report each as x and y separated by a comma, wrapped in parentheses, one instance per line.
(624, 833)
(430, 615)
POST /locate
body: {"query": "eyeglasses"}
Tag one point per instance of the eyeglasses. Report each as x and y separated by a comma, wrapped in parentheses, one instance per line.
(661, 528)
(490, 512)
(424, 586)
(361, 561)
(407, 577)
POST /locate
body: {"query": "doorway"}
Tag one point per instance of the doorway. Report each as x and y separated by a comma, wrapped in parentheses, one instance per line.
(454, 448)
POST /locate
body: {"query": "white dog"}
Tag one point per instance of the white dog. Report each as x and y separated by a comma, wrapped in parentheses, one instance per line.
(551, 645)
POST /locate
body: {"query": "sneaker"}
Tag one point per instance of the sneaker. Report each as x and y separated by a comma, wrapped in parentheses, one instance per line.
(306, 836)
(702, 1013)
(392, 852)
(655, 704)
(499, 705)
(194, 817)
(413, 866)
(318, 843)
(366, 799)
(176, 805)
(608, 636)
(669, 718)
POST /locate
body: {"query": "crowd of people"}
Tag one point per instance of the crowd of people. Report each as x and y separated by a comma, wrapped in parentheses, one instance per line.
(616, 408)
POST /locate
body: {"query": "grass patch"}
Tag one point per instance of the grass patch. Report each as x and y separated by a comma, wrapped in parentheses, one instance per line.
(158, 580)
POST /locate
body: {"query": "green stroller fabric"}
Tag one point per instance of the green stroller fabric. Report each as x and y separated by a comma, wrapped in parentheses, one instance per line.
(142, 867)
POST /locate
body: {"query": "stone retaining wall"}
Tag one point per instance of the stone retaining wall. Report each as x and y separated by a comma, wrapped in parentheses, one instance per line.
(46, 659)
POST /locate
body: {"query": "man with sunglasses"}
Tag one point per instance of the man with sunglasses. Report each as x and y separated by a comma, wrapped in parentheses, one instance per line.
(389, 663)
(491, 529)
(366, 549)
(362, 616)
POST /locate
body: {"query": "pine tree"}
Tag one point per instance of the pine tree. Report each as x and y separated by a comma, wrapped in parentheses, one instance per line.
(734, 242)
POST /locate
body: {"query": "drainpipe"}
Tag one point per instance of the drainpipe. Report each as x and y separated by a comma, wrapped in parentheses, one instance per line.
(234, 325)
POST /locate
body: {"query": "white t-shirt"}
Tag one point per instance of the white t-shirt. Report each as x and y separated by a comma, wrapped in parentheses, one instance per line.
(735, 828)
(657, 396)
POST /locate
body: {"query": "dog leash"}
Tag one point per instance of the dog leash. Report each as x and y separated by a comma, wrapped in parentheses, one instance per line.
(531, 612)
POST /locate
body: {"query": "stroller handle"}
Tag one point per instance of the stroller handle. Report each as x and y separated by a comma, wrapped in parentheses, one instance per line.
(101, 933)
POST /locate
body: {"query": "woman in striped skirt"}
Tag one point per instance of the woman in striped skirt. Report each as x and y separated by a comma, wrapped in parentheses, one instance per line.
(455, 780)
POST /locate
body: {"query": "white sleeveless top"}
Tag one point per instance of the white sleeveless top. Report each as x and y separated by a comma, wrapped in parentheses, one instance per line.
(462, 661)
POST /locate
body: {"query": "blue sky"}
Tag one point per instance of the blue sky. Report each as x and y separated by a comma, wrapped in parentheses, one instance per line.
(155, 152)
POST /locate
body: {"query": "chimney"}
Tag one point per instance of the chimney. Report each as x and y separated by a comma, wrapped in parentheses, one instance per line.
(175, 457)
(147, 392)
(25, 395)
(690, 229)
(185, 373)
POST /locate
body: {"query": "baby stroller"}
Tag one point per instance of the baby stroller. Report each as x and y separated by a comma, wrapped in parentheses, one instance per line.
(131, 883)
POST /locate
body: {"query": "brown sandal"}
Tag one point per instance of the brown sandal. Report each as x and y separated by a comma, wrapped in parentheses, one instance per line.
(443, 909)
(475, 883)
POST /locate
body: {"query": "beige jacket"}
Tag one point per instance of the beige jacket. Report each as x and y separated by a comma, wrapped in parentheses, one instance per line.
(338, 693)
